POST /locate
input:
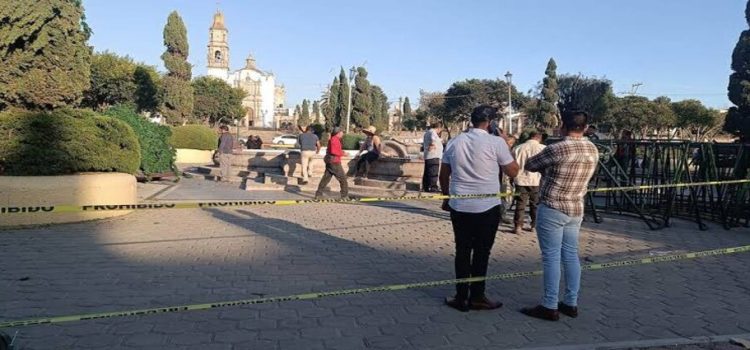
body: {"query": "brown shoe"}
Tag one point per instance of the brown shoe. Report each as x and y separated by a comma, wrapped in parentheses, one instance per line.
(570, 311)
(484, 304)
(541, 312)
(458, 303)
(518, 230)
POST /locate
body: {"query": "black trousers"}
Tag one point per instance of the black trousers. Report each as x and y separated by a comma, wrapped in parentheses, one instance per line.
(365, 161)
(430, 177)
(526, 195)
(337, 171)
(475, 235)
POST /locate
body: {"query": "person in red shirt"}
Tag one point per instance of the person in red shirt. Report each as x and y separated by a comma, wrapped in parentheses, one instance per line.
(333, 165)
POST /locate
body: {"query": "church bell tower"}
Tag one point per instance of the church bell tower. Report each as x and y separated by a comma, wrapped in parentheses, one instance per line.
(218, 48)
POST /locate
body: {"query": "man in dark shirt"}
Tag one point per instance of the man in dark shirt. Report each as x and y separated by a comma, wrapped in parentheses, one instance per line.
(226, 145)
(333, 165)
(309, 146)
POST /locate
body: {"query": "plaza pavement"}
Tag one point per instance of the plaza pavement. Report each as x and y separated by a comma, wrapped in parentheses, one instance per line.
(174, 257)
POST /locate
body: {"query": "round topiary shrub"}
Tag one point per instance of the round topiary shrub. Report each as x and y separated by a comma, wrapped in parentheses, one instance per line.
(65, 141)
(157, 154)
(194, 137)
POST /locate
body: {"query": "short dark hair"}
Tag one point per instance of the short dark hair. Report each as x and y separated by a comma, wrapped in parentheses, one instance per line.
(436, 125)
(224, 127)
(575, 121)
(534, 134)
(482, 114)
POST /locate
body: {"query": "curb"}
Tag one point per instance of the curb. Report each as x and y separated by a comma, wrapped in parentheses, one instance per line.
(646, 343)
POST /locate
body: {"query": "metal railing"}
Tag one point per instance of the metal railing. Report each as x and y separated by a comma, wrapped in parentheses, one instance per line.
(645, 163)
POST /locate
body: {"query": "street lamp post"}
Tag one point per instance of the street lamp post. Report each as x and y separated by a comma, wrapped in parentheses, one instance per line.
(352, 74)
(509, 80)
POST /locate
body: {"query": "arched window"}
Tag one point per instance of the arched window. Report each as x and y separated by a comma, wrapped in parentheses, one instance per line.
(217, 56)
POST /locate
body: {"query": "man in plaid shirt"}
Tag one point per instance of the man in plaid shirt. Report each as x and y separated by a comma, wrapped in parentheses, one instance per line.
(566, 167)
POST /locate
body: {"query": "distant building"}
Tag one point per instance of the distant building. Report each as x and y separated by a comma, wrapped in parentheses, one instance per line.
(263, 96)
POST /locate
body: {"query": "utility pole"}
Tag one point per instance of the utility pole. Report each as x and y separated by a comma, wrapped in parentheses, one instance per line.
(352, 73)
(634, 88)
(509, 80)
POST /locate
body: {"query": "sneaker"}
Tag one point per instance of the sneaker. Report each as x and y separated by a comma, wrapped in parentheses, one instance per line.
(570, 311)
(541, 312)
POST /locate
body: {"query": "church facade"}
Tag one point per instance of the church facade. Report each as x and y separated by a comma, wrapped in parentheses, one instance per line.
(263, 96)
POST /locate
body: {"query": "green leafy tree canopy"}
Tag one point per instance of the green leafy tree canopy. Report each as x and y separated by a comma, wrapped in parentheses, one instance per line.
(45, 59)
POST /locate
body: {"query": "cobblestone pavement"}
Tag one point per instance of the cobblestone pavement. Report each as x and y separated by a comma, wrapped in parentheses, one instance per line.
(162, 258)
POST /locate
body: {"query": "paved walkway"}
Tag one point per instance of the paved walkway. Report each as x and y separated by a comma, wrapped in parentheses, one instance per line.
(161, 258)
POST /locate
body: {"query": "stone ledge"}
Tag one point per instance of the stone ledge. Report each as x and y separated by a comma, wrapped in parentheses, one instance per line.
(80, 189)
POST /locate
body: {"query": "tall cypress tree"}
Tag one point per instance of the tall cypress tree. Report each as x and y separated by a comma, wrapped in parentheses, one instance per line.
(406, 113)
(331, 105)
(343, 99)
(316, 111)
(304, 116)
(45, 59)
(550, 115)
(738, 117)
(362, 106)
(177, 92)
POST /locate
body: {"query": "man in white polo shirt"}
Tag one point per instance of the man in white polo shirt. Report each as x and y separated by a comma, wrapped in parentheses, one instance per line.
(471, 165)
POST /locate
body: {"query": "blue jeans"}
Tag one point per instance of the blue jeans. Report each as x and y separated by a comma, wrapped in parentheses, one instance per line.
(558, 241)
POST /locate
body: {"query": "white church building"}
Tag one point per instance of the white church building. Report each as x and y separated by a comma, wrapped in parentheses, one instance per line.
(263, 96)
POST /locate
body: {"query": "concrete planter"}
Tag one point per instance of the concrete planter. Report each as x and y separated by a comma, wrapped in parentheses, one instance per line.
(33, 196)
(193, 156)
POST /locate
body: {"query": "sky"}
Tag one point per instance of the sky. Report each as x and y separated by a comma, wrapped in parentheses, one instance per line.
(678, 48)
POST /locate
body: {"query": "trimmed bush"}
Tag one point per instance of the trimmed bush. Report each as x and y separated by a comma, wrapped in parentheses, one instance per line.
(157, 154)
(351, 141)
(194, 137)
(65, 141)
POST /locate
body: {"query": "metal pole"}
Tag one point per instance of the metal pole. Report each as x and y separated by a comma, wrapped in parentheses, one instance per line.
(510, 107)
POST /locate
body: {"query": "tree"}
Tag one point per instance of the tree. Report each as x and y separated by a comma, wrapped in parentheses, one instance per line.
(316, 111)
(304, 116)
(407, 112)
(343, 99)
(463, 96)
(147, 82)
(590, 94)
(45, 59)
(738, 117)
(379, 112)
(216, 101)
(549, 116)
(177, 93)
(698, 121)
(330, 105)
(112, 81)
(642, 116)
(362, 104)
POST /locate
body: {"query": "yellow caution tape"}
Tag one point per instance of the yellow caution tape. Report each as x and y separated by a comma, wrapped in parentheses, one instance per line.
(241, 203)
(386, 288)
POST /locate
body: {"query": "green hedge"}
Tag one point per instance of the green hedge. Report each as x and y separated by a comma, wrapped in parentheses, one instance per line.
(65, 141)
(157, 154)
(351, 141)
(194, 137)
